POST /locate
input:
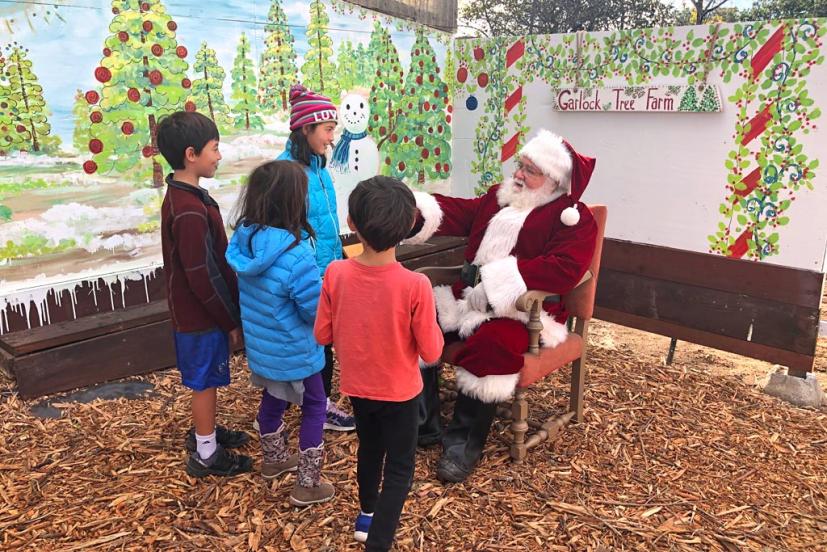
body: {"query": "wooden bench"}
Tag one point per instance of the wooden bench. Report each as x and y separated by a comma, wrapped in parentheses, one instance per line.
(89, 350)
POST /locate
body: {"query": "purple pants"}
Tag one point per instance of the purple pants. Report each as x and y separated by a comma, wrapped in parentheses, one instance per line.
(314, 412)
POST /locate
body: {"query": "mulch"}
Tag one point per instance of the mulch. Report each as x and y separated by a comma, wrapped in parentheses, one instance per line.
(669, 458)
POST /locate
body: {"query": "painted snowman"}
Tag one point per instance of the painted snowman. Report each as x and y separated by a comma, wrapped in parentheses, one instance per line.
(355, 157)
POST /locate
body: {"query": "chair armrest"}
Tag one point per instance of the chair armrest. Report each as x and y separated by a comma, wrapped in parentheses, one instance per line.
(441, 275)
(535, 296)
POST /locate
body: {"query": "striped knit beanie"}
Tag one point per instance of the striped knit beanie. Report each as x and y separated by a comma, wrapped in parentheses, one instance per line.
(307, 108)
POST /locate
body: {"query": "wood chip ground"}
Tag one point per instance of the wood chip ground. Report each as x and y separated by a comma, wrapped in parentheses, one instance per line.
(674, 457)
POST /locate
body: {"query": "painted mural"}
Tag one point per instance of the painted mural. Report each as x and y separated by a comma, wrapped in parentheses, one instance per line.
(83, 87)
(736, 176)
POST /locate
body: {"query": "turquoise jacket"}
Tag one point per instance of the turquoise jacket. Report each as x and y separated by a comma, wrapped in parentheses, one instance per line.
(279, 289)
(321, 210)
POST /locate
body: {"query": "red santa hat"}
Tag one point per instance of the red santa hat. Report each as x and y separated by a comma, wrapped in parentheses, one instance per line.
(559, 161)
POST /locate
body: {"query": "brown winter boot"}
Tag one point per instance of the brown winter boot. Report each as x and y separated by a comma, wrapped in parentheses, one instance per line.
(309, 487)
(276, 458)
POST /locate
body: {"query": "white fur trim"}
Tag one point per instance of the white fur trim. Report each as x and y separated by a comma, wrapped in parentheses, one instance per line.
(501, 235)
(553, 333)
(489, 389)
(447, 308)
(431, 212)
(547, 151)
(503, 284)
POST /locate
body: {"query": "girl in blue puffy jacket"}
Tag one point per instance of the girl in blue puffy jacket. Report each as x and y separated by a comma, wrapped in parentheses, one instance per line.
(279, 288)
(313, 120)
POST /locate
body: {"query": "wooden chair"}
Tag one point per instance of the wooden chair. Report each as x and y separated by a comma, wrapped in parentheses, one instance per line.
(540, 362)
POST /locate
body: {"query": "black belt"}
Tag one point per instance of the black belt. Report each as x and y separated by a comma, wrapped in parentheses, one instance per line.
(470, 276)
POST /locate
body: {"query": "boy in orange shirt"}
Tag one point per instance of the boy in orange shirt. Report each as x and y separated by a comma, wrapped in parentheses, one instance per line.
(380, 318)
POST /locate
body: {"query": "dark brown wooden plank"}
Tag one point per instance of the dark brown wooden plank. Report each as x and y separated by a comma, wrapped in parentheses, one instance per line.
(54, 335)
(448, 257)
(137, 350)
(434, 245)
(797, 362)
(756, 279)
(738, 316)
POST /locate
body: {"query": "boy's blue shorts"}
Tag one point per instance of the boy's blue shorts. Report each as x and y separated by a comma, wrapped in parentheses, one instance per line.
(203, 359)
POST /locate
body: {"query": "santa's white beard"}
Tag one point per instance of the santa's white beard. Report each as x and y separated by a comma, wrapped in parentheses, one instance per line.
(513, 192)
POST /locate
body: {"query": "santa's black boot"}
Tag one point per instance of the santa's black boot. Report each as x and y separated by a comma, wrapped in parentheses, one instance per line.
(465, 438)
(430, 427)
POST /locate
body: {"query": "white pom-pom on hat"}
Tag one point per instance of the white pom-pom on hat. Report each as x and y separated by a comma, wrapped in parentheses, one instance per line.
(570, 215)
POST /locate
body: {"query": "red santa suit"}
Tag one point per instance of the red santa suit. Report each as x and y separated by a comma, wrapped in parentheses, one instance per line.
(543, 241)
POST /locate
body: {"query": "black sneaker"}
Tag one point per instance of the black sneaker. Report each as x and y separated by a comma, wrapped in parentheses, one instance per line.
(227, 438)
(222, 462)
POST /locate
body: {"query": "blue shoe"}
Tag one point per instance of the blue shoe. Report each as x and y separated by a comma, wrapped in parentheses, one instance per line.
(337, 420)
(362, 527)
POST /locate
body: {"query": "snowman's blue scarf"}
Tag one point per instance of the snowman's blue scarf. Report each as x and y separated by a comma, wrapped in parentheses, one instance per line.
(341, 152)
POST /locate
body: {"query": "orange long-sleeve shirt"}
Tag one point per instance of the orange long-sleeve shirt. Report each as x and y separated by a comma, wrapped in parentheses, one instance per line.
(380, 319)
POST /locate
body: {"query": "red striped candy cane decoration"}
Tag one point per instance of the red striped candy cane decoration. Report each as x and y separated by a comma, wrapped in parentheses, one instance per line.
(514, 53)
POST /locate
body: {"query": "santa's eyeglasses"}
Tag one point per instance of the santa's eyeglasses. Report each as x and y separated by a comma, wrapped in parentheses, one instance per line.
(530, 170)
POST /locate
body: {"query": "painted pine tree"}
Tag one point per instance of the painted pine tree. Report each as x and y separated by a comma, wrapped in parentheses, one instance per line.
(28, 109)
(365, 66)
(208, 86)
(81, 110)
(689, 101)
(420, 146)
(386, 90)
(319, 71)
(278, 70)
(709, 100)
(245, 101)
(348, 66)
(9, 135)
(142, 79)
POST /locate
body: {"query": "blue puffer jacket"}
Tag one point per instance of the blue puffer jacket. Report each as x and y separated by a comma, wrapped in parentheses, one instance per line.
(321, 211)
(279, 290)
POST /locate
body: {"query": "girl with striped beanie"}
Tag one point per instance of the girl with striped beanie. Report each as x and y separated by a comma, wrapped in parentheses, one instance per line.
(313, 119)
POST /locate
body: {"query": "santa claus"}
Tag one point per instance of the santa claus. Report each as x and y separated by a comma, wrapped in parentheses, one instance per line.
(531, 232)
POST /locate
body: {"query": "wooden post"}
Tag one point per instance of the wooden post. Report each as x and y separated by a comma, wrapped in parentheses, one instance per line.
(578, 373)
(519, 425)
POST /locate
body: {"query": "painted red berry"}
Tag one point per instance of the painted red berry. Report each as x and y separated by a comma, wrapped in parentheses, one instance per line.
(419, 79)
(418, 141)
(146, 151)
(147, 26)
(479, 53)
(181, 52)
(387, 160)
(96, 116)
(189, 106)
(155, 77)
(425, 153)
(133, 95)
(186, 83)
(123, 36)
(103, 74)
(107, 52)
(482, 80)
(462, 74)
(382, 131)
(92, 97)
(127, 128)
(157, 50)
(90, 167)
(394, 138)
(95, 146)
(426, 106)
(116, 11)
(20, 128)
(437, 151)
(145, 6)
(172, 26)
(401, 166)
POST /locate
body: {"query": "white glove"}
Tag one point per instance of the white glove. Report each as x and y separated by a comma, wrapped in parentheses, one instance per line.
(477, 299)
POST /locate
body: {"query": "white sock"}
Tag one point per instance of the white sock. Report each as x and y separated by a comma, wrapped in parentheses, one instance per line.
(206, 445)
(364, 514)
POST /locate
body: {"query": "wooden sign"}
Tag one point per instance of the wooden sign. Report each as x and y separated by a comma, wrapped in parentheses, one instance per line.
(699, 98)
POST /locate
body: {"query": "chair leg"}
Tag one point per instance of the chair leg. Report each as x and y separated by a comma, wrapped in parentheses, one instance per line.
(578, 375)
(519, 425)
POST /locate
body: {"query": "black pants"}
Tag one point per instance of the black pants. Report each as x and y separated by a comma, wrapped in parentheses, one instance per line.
(387, 443)
(327, 371)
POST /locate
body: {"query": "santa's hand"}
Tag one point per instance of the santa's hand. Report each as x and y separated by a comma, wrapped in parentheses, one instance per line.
(477, 299)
